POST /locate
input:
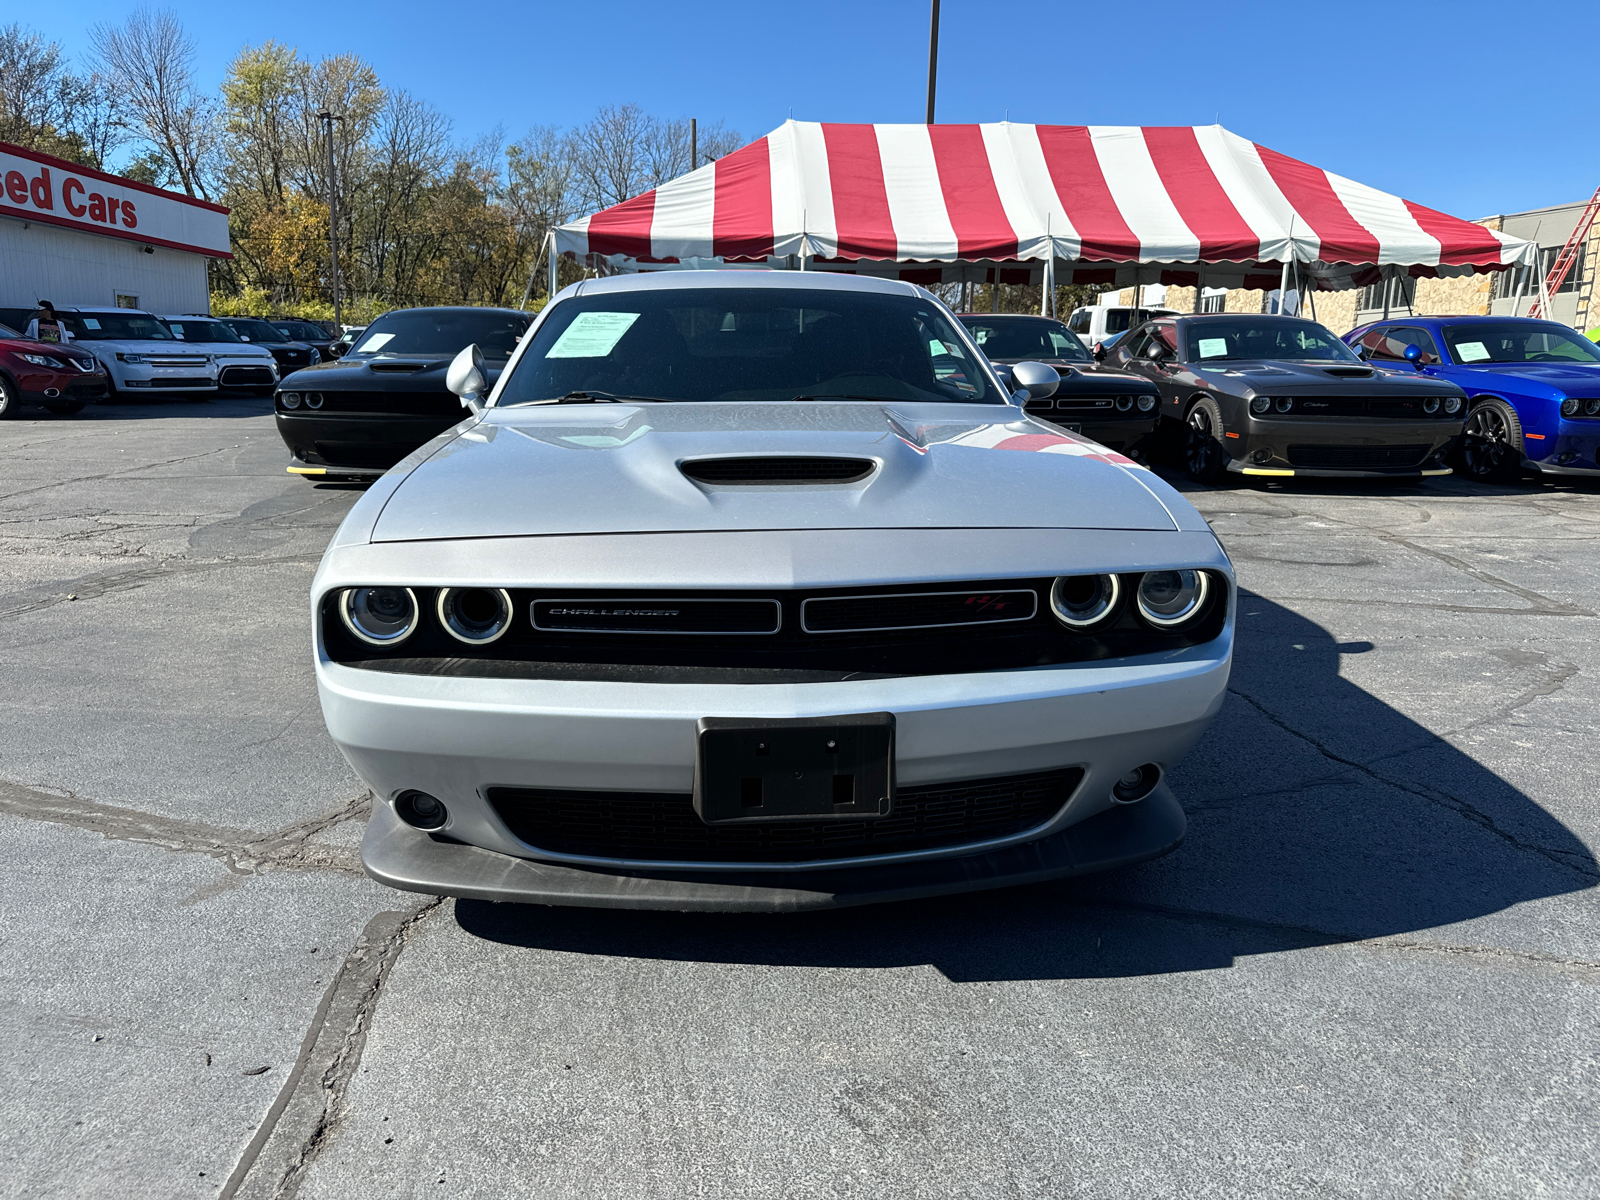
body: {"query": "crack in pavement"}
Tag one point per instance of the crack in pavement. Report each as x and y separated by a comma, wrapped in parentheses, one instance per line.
(55, 483)
(240, 850)
(1566, 858)
(307, 1112)
(91, 587)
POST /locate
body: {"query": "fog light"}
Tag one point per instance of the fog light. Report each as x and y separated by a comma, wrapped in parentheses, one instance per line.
(1136, 784)
(1083, 601)
(1565, 457)
(1283, 403)
(1262, 456)
(290, 399)
(379, 616)
(476, 616)
(1260, 404)
(420, 810)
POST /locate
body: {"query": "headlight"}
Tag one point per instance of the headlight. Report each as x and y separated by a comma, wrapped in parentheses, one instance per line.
(41, 360)
(1452, 404)
(1570, 406)
(476, 616)
(1430, 404)
(290, 399)
(1082, 601)
(379, 616)
(1592, 407)
(1283, 403)
(1146, 403)
(313, 399)
(130, 358)
(1168, 599)
(1124, 403)
(1260, 404)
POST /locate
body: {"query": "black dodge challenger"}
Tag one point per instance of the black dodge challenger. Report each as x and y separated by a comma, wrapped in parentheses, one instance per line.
(355, 417)
(1270, 395)
(1118, 410)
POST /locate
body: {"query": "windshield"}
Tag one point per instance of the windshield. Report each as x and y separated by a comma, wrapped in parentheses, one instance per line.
(115, 327)
(1118, 319)
(202, 331)
(254, 331)
(442, 332)
(1517, 342)
(1025, 337)
(736, 344)
(1264, 337)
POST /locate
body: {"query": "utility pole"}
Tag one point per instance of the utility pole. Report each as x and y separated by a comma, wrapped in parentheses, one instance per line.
(333, 215)
(694, 144)
(933, 57)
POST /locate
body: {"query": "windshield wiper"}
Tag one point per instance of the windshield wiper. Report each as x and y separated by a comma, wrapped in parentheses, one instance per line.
(602, 398)
(849, 396)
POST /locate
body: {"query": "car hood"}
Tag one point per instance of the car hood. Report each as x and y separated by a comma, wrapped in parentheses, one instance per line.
(29, 346)
(134, 346)
(1270, 376)
(230, 349)
(422, 374)
(612, 468)
(1556, 375)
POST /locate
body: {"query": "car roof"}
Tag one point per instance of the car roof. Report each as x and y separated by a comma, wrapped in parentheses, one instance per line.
(110, 308)
(822, 281)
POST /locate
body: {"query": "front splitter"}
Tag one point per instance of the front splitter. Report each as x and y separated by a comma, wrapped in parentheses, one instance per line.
(402, 857)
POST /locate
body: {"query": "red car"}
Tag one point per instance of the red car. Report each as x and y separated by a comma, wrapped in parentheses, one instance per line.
(62, 378)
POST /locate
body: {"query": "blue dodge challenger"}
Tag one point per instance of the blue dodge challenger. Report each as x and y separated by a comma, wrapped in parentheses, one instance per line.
(1533, 387)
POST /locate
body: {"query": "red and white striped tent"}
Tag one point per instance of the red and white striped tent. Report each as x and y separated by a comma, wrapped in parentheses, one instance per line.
(1110, 205)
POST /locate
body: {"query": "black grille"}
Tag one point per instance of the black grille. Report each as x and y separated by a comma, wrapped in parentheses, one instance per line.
(1377, 406)
(917, 610)
(363, 454)
(247, 376)
(785, 469)
(1358, 457)
(663, 826)
(86, 389)
(183, 381)
(625, 615)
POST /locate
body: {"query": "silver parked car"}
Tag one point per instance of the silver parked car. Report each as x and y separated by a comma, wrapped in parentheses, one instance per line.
(749, 590)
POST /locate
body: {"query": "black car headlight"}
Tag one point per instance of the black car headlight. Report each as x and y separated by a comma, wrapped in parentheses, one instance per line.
(1084, 601)
(1260, 404)
(1570, 406)
(290, 399)
(1452, 405)
(476, 616)
(1283, 403)
(1124, 403)
(1146, 403)
(1172, 599)
(379, 616)
(1430, 404)
(1591, 408)
(313, 399)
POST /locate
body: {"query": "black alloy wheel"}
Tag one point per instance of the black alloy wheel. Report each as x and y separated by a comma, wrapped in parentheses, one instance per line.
(8, 398)
(1204, 458)
(1491, 445)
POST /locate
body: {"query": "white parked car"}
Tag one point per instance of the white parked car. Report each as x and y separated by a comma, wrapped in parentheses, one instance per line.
(1095, 323)
(240, 364)
(759, 590)
(139, 353)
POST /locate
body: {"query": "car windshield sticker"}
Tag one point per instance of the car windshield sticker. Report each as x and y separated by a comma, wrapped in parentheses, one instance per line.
(1213, 347)
(377, 342)
(90, 323)
(1471, 351)
(592, 335)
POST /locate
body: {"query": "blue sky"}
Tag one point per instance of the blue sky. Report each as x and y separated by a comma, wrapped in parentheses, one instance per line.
(1442, 103)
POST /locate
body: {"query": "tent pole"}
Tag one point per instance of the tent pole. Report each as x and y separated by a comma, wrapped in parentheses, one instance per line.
(554, 265)
(1199, 285)
(1283, 283)
(1522, 290)
(1311, 294)
(1388, 287)
(994, 291)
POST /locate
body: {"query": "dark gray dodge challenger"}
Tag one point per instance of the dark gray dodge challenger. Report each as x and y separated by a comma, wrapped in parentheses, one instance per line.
(1269, 395)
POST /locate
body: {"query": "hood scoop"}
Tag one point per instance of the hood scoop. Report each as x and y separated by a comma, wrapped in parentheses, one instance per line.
(1349, 372)
(776, 470)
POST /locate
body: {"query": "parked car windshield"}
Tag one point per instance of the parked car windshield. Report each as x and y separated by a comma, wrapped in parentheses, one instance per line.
(1119, 320)
(1025, 337)
(743, 344)
(442, 332)
(115, 327)
(250, 330)
(300, 331)
(1517, 342)
(202, 331)
(1263, 337)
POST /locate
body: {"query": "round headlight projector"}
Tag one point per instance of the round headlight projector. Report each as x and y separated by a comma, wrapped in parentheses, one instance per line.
(1170, 598)
(476, 616)
(1084, 601)
(379, 616)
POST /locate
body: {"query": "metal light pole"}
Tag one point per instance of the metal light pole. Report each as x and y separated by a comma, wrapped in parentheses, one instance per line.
(333, 215)
(933, 56)
(694, 144)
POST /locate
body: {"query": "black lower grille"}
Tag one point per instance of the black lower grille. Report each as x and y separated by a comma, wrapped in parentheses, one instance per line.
(248, 376)
(362, 454)
(87, 389)
(182, 381)
(917, 610)
(1358, 457)
(663, 826)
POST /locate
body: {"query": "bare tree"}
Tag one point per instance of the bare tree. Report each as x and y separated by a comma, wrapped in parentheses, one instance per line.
(611, 155)
(149, 59)
(44, 106)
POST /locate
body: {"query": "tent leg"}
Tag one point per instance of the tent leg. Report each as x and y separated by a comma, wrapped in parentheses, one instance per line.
(1388, 287)
(555, 274)
(1283, 285)
(994, 292)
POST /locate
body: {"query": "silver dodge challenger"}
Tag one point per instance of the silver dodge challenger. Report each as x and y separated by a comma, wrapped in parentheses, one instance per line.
(748, 590)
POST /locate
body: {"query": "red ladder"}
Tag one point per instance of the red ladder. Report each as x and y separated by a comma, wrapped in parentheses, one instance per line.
(1570, 253)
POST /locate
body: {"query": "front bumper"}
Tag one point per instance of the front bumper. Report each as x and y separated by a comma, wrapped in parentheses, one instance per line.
(406, 858)
(1120, 434)
(1343, 448)
(1573, 450)
(347, 444)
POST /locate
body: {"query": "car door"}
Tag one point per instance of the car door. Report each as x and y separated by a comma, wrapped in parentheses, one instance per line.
(1161, 363)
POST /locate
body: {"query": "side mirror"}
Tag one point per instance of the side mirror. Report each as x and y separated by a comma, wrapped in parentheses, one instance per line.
(468, 378)
(1413, 355)
(1099, 352)
(337, 350)
(1040, 379)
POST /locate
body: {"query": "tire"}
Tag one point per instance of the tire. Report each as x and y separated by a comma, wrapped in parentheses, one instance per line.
(8, 398)
(1204, 458)
(1491, 444)
(66, 408)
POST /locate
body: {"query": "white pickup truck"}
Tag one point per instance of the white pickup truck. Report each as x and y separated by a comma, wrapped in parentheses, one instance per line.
(1095, 324)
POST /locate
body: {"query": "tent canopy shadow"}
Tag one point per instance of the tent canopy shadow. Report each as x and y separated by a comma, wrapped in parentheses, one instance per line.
(1317, 814)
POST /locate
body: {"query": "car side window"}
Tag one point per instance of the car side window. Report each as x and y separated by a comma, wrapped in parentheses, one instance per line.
(1377, 345)
(1167, 336)
(1402, 336)
(1138, 343)
(1080, 321)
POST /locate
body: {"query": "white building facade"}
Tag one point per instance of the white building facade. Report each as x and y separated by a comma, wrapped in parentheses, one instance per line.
(79, 237)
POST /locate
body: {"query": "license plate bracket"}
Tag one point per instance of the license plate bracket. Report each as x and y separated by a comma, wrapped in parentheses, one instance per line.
(794, 769)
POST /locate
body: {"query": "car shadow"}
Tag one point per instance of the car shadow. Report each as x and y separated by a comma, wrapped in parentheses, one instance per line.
(1317, 814)
(223, 404)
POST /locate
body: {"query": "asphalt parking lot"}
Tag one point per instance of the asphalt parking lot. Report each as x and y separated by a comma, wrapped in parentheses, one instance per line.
(1373, 969)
